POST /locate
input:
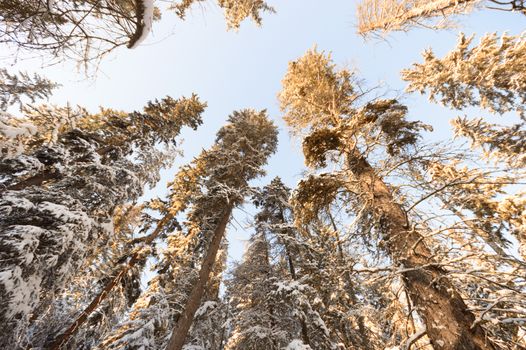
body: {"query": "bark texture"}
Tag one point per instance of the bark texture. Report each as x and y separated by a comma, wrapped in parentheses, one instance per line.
(194, 301)
(449, 323)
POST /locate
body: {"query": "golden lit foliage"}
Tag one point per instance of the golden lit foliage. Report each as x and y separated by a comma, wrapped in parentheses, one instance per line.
(490, 74)
(498, 143)
(185, 185)
(235, 11)
(391, 15)
(313, 194)
(314, 93)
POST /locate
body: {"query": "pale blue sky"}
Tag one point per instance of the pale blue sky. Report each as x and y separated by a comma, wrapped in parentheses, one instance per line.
(234, 70)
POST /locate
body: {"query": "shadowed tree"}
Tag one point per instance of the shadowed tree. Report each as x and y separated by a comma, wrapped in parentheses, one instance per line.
(60, 193)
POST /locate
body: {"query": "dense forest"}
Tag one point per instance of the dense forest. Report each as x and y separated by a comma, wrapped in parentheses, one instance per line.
(390, 240)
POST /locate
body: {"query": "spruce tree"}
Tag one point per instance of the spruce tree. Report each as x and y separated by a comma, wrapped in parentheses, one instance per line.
(60, 193)
(243, 147)
(176, 293)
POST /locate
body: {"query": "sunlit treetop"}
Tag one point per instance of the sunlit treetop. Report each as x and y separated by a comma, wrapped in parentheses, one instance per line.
(490, 75)
(315, 93)
(383, 16)
(323, 101)
(235, 11)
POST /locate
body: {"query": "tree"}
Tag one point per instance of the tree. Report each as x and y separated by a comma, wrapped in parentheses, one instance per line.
(261, 318)
(487, 213)
(317, 98)
(15, 86)
(235, 11)
(175, 294)
(210, 324)
(393, 15)
(289, 289)
(96, 272)
(59, 196)
(87, 30)
(81, 29)
(488, 75)
(243, 147)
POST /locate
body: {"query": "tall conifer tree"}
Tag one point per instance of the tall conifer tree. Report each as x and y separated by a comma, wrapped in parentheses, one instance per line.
(60, 193)
(322, 101)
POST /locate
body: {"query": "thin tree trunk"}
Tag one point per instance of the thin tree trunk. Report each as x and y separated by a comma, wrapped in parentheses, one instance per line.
(449, 323)
(292, 269)
(103, 294)
(184, 322)
(363, 338)
(480, 232)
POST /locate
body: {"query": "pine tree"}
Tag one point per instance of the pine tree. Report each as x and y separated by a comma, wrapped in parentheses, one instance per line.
(318, 98)
(60, 195)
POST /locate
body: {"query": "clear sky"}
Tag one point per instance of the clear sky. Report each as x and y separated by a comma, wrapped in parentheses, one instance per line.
(234, 70)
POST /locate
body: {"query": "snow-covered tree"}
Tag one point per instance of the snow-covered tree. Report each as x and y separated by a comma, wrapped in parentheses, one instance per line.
(392, 15)
(293, 288)
(241, 149)
(60, 193)
(318, 98)
(149, 322)
(210, 324)
(260, 318)
(87, 30)
(489, 75)
(14, 87)
(96, 272)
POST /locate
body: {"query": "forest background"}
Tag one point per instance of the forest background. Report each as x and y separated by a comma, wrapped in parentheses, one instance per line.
(232, 70)
(239, 69)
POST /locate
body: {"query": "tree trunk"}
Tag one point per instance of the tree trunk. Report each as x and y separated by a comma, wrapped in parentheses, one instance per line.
(83, 317)
(304, 330)
(184, 322)
(449, 323)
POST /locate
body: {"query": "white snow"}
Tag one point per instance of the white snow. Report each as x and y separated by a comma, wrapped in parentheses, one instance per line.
(203, 309)
(297, 344)
(147, 19)
(289, 286)
(66, 214)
